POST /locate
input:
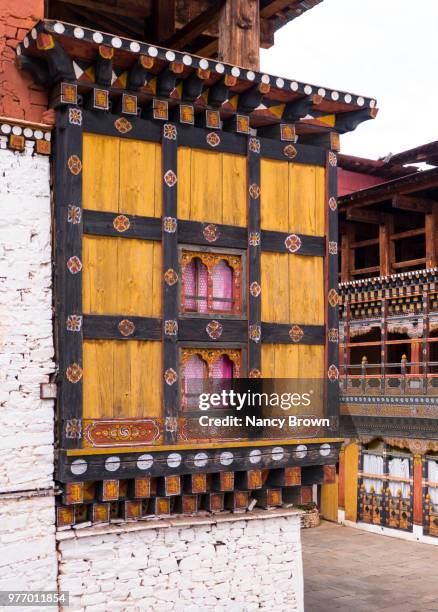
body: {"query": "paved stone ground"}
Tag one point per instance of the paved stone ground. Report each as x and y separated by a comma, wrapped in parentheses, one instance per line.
(349, 570)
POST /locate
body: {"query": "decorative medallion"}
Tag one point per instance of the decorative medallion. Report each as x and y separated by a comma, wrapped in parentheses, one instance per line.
(170, 178)
(333, 298)
(101, 99)
(45, 41)
(106, 52)
(254, 145)
(126, 432)
(255, 289)
(129, 104)
(290, 151)
(69, 93)
(255, 333)
(287, 131)
(333, 334)
(333, 160)
(255, 373)
(73, 429)
(242, 124)
(169, 131)
(74, 164)
(74, 373)
(44, 147)
(187, 114)
(254, 191)
(126, 327)
(170, 376)
(213, 139)
(121, 223)
(333, 373)
(212, 119)
(75, 116)
(293, 243)
(160, 109)
(74, 264)
(254, 239)
(74, 214)
(211, 232)
(333, 248)
(170, 277)
(169, 225)
(74, 323)
(333, 204)
(16, 142)
(171, 327)
(214, 329)
(296, 333)
(122, 125)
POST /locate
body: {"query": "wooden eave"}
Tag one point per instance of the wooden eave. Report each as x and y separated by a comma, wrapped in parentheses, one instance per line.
(319, 110)
(387, 170)
(427, 153)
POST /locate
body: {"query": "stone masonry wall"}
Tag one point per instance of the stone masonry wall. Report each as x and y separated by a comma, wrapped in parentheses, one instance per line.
(230, 563)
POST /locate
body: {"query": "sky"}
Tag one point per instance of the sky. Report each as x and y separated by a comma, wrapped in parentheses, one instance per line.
(383, 49)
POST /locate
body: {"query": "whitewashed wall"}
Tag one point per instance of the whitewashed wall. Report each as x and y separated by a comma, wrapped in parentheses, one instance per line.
(27, 522)
(237, 564)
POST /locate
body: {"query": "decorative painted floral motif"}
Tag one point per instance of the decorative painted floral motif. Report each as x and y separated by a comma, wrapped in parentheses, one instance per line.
(287, 132)
(333, 373)
(333, 248)
(211, 232)
(75, 116)
(255, 373)
(254, 191)
(169, 225)
(214, 329)
(293, 243)
(16, 142)
(170, 376)
(121, 223)
(171, 424)
(170, 178)
(126, 327)
(255, 333)
(169, 131)
(73, 429)
(122, 125)
(171, 327)
(74, 164)
(213, 119)
(333, 204)
(74, 264)
(255, 289)
(213, 139)
(254, 239)
(74, 323)
(74, 373)
(333, 160)
(333, 334)
(170, 277)
(254, 145)
(296, 333)
(290, 151)
(242, 124)
(333, 298)
(74, 214)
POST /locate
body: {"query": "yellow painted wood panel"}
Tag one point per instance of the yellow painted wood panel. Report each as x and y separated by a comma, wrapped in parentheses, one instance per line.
(292, 288)
(274, 178)
(329, 501)
(351, 469)
(121, 276)
(100, 172)
(140, 178)
(307, 199)
(122, 379)
(292, 361)
(212, 186)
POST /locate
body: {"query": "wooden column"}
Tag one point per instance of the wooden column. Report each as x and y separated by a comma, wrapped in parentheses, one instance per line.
(347, 254)
(430, 226)
(418, 490)
(416, 356)
(341, 479)
(386, 247)
(239, 33)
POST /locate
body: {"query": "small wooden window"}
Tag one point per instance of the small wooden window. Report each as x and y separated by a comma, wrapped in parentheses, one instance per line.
(211, 282)
(207, 371)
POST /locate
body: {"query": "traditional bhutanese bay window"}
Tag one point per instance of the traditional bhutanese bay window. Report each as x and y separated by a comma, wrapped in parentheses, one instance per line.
(211, 283)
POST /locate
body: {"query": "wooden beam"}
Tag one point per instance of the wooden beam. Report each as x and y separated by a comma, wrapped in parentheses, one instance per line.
(409, 263)
(112, 9)
(209, 49)
(164, 20)
(239, 33)
(194, 28)
(274, 7)
(404, 202)
(408, 234)
(365, 216)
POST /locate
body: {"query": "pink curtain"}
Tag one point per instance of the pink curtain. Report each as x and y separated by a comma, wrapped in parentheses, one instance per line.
(202, 287)
(195, 279)
(194, 380)
(223, 286)
(222, 368)
(189, 280)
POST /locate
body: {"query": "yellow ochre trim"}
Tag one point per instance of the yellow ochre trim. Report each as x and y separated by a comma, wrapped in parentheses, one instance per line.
(198, 446)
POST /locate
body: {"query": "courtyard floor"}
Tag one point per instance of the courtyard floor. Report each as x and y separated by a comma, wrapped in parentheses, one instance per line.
(346, 569)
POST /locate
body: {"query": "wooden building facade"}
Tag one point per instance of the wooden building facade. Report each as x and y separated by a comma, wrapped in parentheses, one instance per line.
(388, 359)
(195, 238)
